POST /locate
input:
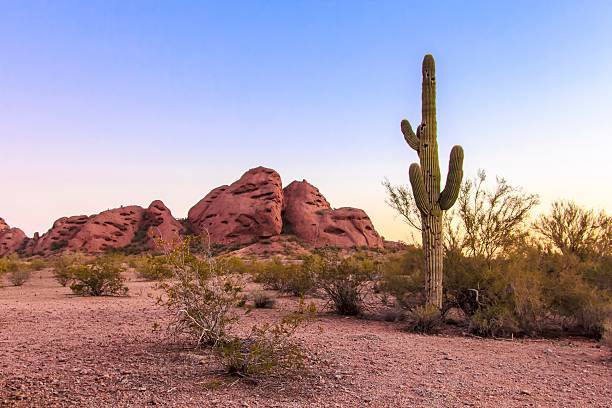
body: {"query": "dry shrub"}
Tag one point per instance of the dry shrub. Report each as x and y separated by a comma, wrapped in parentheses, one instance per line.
(18, 271)
(402, 277)
(606, 339)
(425, 319)
(262, 300)
(268, 348)
(344, 280)
(201, 295)
(286, 278)
(19, 276)
(99, 277)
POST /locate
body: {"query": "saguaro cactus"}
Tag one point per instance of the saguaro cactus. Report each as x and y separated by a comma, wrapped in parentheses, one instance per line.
(425, 181)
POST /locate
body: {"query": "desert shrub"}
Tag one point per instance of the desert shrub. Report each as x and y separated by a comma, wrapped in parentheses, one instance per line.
(233, 264)
(63, 268)
(200, 295)
(606, 339)
(262, 300)
(425, 319)
(286, 278)
(344, 280)
(584, 307)
(153, 268)
(98, 277)
(268, 348)
(18, 271)
(493, 321)
(37, 264)
(9, 264)
(19, 276)
(402, 277)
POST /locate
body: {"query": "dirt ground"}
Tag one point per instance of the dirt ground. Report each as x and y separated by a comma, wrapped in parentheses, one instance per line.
(58, 350)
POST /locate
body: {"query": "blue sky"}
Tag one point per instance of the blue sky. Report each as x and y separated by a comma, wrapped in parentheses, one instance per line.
(122, 102)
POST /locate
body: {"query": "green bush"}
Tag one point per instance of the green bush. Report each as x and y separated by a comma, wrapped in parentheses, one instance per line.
(403, 278)
(37, 264)
(99, 277)
(63, 268)
(344, 280)
(153, 268)
(295, 279)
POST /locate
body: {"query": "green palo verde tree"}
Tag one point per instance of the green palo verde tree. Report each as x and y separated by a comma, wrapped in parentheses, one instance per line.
(425, 181)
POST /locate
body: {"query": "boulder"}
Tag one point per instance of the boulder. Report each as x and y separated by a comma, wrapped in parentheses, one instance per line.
(308, 215)
(11, 239)
(243, 212)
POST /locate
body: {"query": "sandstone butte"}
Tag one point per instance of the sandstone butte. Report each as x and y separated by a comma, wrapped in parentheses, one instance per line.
(253, 210)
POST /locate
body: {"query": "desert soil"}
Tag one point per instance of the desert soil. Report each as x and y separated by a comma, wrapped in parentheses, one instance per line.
(58, 350)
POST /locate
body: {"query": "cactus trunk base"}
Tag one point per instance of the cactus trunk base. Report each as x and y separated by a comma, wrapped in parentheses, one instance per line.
(433, 256)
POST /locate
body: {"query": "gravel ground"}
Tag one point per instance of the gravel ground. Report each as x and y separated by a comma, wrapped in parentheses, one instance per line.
(57, 350)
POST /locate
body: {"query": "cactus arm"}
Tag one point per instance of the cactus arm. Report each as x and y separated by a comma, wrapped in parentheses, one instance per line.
(453, 180)
(418, 188)
(409, 136)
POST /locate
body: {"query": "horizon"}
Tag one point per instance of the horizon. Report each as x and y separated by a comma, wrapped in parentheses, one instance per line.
(107, 104)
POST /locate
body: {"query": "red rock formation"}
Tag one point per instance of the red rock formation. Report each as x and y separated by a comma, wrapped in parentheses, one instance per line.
(164, 226)
(131, 226)
(11, 239)
(58, 237)
(308, 215)
(247, 210)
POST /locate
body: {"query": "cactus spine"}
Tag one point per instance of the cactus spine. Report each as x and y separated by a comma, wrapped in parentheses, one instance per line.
(425, 181)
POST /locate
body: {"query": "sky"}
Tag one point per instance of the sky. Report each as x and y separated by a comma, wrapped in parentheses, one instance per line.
(109, 103)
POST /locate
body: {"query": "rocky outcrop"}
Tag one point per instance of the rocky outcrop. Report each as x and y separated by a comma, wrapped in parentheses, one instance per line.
(308, 215)
(254, 213)
(163, 226)
(11, 239)
(130, 227)
(243, 212)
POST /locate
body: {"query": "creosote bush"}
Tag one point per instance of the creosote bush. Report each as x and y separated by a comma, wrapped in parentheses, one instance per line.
(262, 300)
(425, 319)
(152, 268)
(101, 276)
(269, 347)
(18, 271)
(19, 276)
(343, 280)
(200, 294)
(295, 279)
(63, 268)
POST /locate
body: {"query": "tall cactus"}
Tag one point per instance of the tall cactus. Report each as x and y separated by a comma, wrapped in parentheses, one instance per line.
(425, 181)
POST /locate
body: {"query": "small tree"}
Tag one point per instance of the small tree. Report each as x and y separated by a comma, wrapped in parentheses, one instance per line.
(492, 220)
(574, 230)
